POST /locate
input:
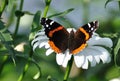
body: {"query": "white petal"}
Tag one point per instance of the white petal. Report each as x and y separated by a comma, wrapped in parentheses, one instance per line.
(49, 51)
(92, 60)
(62, 59)
(96, 40)
(47, 45)
(105, 57)
(40, 33)
(109, 59)
(35, 45)
(98, 53)
(97, 58)
(93, 53)
(41, 38)
(104, 54)
(33, 41)
(79, 60)
(85, 64)
(66, 59)
(43, 44)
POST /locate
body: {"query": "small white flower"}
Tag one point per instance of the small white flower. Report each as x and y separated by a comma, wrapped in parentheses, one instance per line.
(115, 79)
(93, 53)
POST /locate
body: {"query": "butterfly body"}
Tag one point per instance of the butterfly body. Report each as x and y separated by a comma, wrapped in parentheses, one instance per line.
(60, 39)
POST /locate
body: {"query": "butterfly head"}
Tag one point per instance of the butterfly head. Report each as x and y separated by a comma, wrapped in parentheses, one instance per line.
(96, 24)
(45, 22)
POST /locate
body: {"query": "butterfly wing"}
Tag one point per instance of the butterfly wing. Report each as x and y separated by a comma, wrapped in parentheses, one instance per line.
(57, 34)
(83, 34)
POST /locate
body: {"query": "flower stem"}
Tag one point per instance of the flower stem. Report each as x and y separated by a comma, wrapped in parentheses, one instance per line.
(18, 19)
(2, 64)
(68, 69)
(46, 8)
(24, 71)
(26, 66)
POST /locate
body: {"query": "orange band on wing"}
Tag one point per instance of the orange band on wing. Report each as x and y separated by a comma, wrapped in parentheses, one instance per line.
(79, 49)
(53, 31)
(86, 34)
(52, 45)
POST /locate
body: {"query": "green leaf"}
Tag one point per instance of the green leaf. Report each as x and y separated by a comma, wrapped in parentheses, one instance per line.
(6, 40)
(62, 13)
(7, 37)
(1, 25)
(3, 5)
(35, 25)
(116, 51)
(36, 21)
(11, 3)
(109, 1)
(112, 72)
(4, 34)
(38, 75)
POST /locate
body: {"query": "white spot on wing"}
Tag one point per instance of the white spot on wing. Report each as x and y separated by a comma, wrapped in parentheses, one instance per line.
(92, 28)
(47, 25)
(89, 25)
(46, 19)
(94, 22)
(51, 22)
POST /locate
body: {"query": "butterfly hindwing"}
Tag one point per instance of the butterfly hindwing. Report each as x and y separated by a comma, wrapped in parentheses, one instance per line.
(57, 34)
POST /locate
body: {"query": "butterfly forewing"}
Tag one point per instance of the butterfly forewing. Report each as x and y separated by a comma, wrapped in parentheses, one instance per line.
(57, 34)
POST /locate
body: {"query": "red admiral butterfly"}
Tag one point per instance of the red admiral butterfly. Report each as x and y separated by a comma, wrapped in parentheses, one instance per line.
(60, 39)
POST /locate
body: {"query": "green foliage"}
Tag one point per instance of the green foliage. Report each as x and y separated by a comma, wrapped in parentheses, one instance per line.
(117, 52)
(62, 13)
(2, 6)
(113, 70)
(26, 65)
(11, 4)
(36, 21)
(6, 40)
(35, 25)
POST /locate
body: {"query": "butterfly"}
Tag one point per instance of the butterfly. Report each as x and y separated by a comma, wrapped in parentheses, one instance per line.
(60, 39)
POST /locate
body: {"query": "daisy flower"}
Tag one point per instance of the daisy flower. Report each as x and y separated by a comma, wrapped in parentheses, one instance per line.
(93, 53)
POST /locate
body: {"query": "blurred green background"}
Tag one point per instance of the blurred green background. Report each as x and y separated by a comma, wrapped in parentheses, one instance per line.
(17, 59)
